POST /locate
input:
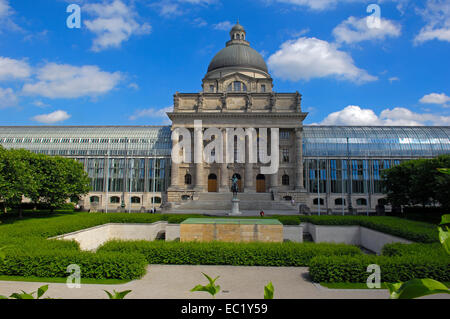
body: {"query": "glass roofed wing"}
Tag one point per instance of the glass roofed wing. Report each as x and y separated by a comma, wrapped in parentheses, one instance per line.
(356, 141)
(89, 140)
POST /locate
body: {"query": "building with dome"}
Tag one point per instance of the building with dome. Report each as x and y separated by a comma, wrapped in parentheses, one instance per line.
(329, 169)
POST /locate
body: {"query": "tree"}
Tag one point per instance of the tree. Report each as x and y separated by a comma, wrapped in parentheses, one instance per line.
(418, 182)
(16, 178)
(58, 179)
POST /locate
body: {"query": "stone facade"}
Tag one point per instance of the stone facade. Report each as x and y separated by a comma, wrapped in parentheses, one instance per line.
(238, 96)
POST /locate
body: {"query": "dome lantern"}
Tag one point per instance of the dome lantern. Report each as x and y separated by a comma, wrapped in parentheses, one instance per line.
(238, 54)
(237, 32)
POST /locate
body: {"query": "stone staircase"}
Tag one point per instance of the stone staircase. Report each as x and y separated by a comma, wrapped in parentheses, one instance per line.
(222, 201)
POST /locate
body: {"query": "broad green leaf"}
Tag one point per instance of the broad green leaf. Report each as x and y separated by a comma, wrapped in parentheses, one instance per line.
(445, 219)
(444, 237)
(393, 288)
(109, 294)
(41, 291)
(210, 288)
(23, 295)
(417, 288)
(444, 170)
(268, 291)
(121, 294)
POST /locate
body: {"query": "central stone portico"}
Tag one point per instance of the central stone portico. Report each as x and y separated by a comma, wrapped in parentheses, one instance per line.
(238, 94)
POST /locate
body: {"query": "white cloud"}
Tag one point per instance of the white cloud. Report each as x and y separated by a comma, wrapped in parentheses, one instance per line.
(152, 113)
(435, 98)
(437, 16)
(133, 86)
(322, 5)
(54, 117)
(307, 58)
(393, 79)
(199, 22)
(113, 24)
(224, 26)
(5, 9)
(355, 30)
(40, 104)
(7, 98)
(13, 69)
(67, 81)
(399, 116)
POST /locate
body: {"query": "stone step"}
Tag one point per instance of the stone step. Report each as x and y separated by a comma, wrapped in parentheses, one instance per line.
(226, 205)
(229, 196)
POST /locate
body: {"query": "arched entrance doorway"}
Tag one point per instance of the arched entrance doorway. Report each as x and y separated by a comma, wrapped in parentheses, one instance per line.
(239, 182)
(260, 183)
(212, 183)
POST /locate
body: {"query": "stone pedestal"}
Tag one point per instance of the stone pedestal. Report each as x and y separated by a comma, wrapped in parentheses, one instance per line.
(235, 207)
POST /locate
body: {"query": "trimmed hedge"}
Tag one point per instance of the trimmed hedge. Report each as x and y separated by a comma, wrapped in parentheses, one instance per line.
(425, 250)
(54, 264)
(393, 269)
(237, 254)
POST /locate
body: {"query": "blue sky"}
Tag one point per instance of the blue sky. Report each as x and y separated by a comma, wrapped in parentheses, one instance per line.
(124, 64)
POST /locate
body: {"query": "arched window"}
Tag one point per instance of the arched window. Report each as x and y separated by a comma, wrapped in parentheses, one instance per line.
(156, 200)
(339, 202)
(114, 200)
(95, 199)
(287, 198)
(285, 180)
(188, 179)
(263, 88)
(316, 201)
(185, 197)
(135, 200)
(361, 202)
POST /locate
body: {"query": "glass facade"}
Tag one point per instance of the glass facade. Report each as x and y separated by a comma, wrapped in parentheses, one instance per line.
(337, 160)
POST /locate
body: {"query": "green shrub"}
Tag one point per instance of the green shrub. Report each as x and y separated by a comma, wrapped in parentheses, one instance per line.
(425, 250)
(92, 265)
(393, 269)
(237, 254)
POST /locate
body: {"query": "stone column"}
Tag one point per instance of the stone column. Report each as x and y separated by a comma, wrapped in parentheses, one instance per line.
(174, 183)
(274, 182)
(299, 159)
(199, 172)
(248, 177)
(224, 166)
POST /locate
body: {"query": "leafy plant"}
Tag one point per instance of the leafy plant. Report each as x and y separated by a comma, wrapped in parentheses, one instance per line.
(416, 288)
(210, 288)
(422, 287)
(25, 295)
(268, 291)
(117, 294)
(444, 233)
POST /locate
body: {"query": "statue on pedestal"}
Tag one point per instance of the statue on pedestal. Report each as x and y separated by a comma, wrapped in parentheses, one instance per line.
(234, 186)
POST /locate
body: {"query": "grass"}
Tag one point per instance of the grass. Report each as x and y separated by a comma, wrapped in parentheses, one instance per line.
(355, 285)
(86, 281)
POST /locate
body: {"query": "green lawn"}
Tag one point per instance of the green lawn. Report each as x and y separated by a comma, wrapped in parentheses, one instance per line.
(353, 285)
(64, 280)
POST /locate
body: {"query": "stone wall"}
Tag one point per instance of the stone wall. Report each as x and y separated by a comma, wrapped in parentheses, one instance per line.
(231, 233)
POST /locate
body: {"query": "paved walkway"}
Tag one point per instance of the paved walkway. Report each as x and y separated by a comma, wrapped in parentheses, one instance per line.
(174, 282)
